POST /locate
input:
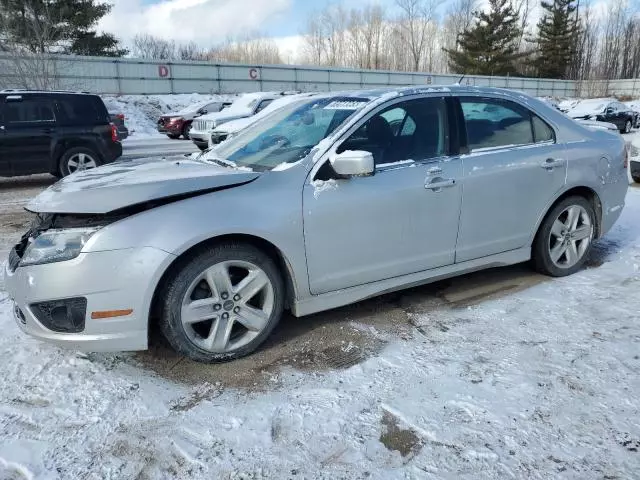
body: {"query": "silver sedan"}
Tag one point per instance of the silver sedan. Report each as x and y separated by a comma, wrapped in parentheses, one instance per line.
(329, 200)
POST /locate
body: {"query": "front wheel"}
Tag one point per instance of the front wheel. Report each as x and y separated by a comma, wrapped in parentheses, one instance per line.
(565, 237)
(77, 160)
(185, 131)
(222, 303)
(173, 136)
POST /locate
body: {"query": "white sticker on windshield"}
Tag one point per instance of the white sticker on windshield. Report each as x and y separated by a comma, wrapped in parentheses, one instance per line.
(345, 105)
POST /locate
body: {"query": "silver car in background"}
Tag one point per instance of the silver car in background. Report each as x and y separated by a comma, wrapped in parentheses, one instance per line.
(327, 201)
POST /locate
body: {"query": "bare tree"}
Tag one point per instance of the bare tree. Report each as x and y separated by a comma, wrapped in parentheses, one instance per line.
(153, 48)
(250, 48)
(190, 51)
(415, 26)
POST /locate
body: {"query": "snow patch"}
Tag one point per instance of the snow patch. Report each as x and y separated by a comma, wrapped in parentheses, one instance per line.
(320, 186)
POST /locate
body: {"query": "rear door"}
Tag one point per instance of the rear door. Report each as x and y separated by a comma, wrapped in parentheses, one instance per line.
(29, 134)
(514, 169)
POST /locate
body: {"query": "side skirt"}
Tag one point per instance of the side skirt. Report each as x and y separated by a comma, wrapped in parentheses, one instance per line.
(327, 301)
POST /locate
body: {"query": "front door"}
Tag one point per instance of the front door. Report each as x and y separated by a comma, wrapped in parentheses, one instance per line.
(515, 168)
(403, 219)
(30, 125)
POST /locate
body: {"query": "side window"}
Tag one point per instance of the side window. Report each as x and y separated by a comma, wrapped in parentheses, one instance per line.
(542, 132)
(411, 130)
(29, 111)
(263, 104)
(79, 109)
(496, 123)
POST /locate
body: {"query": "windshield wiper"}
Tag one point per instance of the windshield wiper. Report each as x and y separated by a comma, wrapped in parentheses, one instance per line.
(220, 161)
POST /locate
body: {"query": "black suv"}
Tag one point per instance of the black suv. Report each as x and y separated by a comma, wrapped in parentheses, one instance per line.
(54, 132)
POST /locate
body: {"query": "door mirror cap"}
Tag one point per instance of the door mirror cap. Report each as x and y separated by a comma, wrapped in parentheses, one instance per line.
(353, 163)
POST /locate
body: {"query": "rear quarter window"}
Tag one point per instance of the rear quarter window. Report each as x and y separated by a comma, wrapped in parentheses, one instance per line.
(82, 110)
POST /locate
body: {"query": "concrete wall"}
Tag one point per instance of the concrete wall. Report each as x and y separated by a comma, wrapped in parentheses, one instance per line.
(131, 76)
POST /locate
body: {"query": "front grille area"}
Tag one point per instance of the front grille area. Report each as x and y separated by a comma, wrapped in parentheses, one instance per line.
(203, 125)
(63, 316)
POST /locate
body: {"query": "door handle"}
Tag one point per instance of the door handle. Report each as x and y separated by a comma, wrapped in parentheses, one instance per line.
(551, 163)
(440, 184)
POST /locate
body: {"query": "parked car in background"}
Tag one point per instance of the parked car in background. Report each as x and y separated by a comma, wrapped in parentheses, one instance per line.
(567, 104)
(222, 132)
(118, 119)
(596, 125)
(179, 123)
(635, 107)
(55, 132)
(327, 201)
(604, 110)
(244, 106)
(634, 161)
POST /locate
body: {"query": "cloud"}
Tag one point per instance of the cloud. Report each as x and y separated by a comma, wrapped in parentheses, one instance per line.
(291, 48)
(203, 21)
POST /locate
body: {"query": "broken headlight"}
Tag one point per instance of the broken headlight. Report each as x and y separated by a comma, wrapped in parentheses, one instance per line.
(56, 245)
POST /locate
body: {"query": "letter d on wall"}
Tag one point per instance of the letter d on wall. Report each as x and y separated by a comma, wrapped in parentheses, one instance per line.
(163, 71)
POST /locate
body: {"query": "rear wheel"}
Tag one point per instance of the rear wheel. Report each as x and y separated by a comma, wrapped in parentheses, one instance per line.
(202, 147)
(77, 160)
(222, 303)
(636, 178)
(565, 237)
(173, 136)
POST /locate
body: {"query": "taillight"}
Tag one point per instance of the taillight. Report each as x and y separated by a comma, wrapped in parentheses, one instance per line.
(120, 116)
(114, 133)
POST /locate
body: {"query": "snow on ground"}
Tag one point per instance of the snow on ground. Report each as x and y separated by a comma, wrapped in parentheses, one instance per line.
(142, 111)
(537, 383)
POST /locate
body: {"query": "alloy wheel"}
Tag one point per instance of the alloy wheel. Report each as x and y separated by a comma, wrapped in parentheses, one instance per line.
(570, 237)
(80, 162)
(627, 126)
(227, 306)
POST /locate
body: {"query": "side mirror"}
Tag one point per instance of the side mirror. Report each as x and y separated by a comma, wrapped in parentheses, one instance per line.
(353, 163)
(609, 110)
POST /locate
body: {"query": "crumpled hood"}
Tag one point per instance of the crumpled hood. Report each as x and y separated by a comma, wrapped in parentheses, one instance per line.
(126, 183)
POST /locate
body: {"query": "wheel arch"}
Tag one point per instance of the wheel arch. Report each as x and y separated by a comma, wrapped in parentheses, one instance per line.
(264, 245)
(582, 191)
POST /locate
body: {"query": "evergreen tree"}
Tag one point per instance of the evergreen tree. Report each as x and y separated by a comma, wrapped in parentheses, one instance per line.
(488, 47)
(558, 31)
(56, 26)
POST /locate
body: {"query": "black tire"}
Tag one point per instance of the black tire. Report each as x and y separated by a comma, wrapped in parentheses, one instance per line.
(173, 136)
(636, 178)
(201, 147)
(175, 288)
(185, 131)
(541, 257)
(64, 165)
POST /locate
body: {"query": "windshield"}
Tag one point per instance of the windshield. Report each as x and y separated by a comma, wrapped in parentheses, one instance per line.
(286, 135)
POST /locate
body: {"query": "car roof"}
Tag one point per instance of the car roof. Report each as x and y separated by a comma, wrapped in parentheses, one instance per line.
(21, 91)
